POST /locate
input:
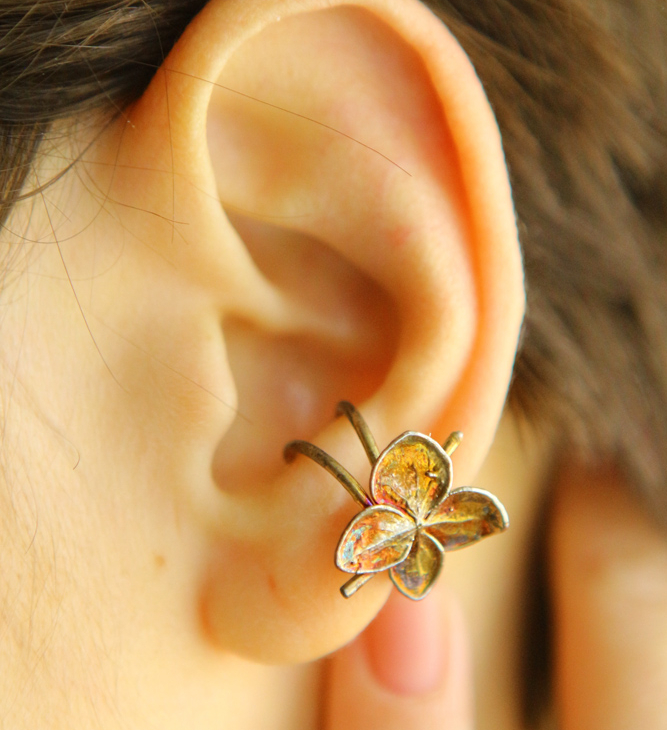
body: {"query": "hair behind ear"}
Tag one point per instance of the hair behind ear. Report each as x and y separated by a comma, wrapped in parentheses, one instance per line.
(581, 107)
(67, 76)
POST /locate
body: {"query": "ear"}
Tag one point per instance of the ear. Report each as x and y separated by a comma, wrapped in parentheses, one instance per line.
(327, 186)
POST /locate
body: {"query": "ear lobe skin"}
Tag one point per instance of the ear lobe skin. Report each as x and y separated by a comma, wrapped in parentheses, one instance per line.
(411, 193)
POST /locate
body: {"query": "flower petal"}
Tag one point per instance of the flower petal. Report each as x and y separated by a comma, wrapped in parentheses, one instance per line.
(415, 576)
(467, 515)
(413, 473)
(375, 539)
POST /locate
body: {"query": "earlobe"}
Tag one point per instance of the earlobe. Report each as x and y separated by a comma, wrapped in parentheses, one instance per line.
(330, 181)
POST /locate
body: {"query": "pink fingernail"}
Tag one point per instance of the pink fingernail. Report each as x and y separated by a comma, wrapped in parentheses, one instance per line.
(405, 646)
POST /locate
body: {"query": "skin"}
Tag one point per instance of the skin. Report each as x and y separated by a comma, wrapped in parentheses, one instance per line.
(162, 565)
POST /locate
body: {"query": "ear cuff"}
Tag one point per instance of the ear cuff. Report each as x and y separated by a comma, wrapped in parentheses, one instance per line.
(410, 516)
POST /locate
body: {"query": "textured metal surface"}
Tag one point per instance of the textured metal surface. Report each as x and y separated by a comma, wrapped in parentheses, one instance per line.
(376, 539)
(411, 517)
(413, 474)
(467, 515)
(416, 575)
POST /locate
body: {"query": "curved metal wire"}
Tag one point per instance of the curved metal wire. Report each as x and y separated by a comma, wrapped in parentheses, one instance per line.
(345, 408)
(327, 462)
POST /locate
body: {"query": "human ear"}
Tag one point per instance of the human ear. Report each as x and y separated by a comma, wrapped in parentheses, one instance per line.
(326, 183)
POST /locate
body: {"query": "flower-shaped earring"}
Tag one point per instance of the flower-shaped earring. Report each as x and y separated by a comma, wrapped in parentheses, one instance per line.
(410, 518)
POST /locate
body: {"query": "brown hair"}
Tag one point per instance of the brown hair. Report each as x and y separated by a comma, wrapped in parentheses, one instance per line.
(582, 110)
(61, 59)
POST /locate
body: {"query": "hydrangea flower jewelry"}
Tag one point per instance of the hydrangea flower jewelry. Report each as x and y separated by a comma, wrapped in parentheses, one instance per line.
(410, 518)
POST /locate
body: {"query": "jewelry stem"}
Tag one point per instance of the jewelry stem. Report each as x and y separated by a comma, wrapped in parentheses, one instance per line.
(452, 443)
(355, 583)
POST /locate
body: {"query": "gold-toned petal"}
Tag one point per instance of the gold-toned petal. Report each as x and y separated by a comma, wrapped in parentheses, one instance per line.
(413, 473)
(415, 576)
(467, 515)
(375, 539)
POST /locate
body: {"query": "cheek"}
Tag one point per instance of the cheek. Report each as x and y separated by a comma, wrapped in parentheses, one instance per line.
(116, 391)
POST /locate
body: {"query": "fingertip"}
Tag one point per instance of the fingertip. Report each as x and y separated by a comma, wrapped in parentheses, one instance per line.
(406, 646)
(409, 668)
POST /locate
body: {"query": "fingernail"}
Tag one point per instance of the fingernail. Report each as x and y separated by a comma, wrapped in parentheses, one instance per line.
(405, 646)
